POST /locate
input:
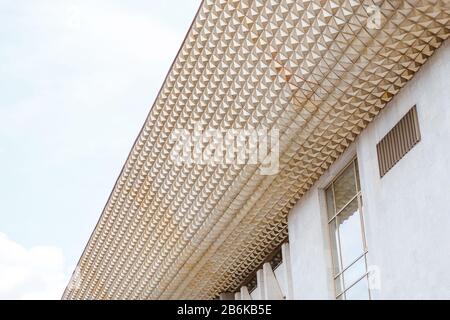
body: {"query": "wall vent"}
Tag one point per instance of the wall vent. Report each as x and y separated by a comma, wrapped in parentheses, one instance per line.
(397, 142)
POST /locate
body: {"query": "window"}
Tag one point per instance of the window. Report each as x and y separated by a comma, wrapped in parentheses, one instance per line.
(346, 226)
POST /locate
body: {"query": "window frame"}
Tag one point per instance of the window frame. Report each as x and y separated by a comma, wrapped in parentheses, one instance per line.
(352, 161)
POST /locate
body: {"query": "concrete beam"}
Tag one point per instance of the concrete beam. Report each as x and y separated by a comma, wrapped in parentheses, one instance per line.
(245, 295)
(272, 290)
(260, 292)
(285, 252)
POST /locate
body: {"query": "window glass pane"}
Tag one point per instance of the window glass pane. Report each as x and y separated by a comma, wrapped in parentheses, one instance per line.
(356, 271)
(360, 291)
(344, 187)
(335, 247)
(350, 233)
(330, 202)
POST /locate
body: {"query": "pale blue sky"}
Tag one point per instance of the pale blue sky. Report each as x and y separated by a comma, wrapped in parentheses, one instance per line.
(77, 81)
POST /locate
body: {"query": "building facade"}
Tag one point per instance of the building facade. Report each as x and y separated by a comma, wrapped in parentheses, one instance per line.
(346, 106)
(404, 232)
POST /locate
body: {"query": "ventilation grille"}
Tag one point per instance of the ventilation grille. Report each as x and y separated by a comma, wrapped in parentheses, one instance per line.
(397, 142)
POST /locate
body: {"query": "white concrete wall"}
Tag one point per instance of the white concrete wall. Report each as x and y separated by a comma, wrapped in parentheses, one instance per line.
(407, 212)
(309, 240)
(309, 250)
(255, 294)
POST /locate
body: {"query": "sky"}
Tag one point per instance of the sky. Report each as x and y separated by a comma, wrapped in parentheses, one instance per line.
(77, 80)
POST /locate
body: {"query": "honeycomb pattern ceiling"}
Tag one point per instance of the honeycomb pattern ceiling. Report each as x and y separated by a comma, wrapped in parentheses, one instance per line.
(315, 70)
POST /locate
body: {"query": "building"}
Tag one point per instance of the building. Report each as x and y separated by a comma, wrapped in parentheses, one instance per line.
(355, 205)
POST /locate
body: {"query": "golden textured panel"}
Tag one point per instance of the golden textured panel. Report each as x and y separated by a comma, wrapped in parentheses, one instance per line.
(318, 70)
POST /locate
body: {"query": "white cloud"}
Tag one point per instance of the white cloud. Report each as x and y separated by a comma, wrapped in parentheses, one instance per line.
(78, 79)
(35, 273)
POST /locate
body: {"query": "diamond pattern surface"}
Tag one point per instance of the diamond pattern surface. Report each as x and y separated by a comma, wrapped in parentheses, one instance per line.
(315, 70)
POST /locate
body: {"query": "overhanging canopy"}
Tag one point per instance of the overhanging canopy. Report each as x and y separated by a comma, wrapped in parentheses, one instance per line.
(318, 70)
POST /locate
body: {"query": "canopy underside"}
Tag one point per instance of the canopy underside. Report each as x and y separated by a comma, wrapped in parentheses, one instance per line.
(317, 70)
